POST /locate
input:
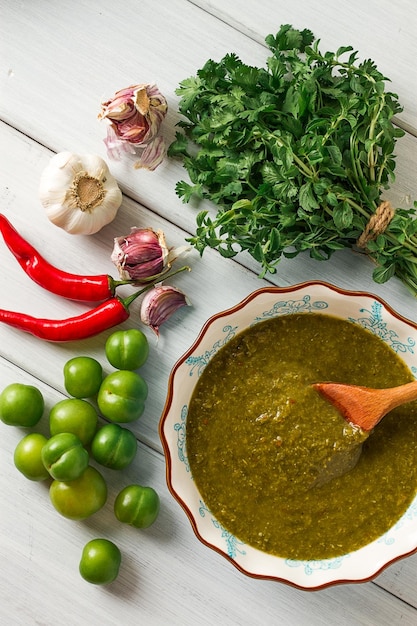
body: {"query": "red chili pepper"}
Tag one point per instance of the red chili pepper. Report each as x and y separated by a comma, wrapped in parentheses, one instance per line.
(104, 316)
(65, 284)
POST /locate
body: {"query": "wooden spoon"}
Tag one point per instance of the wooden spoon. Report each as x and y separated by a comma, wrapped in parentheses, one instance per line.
(363, 406)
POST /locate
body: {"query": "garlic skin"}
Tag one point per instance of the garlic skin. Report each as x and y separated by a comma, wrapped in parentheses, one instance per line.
(159, 304)
(152, 155)
(79, 193)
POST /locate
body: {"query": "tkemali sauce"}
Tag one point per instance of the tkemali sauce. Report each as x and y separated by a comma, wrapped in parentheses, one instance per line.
(260, 439)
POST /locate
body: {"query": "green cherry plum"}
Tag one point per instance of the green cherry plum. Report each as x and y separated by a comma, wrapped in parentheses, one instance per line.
(127, 349)
(100, 562)
(82, 376)
(79, 498)
(76, 416)
(28, 457)
(122, 396)
(114, 446)
(21, 405)
(64, 457)
(137, 506)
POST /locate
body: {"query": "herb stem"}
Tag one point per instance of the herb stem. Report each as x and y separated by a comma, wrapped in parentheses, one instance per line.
(267, 137)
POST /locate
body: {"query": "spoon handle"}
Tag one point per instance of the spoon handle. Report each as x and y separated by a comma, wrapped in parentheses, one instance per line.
(364, 406)
(399, 395)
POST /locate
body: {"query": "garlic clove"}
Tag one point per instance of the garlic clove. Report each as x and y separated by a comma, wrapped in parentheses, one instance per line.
(143, 255)
(159, 304)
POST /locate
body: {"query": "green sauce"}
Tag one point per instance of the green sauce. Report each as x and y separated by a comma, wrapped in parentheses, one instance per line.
(262, 443)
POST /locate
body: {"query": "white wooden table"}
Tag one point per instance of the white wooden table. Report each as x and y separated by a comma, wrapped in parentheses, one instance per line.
(58, 61)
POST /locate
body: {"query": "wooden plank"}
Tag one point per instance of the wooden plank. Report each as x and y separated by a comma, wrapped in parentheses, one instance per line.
(205, 285)
(167, 576)
(59, 62)
(208, 37)
(27, 159)
(47, 364)
(378, 29)
(19, 201)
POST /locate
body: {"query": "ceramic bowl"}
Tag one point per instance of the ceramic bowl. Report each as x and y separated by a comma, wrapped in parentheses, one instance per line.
(362, 308)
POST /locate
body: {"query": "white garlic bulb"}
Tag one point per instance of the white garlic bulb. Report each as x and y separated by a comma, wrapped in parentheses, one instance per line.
(78, 193)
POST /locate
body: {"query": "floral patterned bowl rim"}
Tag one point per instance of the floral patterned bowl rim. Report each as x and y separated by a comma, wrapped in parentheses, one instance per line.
(362, 308)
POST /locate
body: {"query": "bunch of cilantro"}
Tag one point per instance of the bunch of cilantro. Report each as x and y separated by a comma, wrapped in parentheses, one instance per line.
(295, 156)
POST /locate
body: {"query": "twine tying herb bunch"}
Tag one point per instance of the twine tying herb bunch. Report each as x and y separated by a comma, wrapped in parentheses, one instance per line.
(296, 156)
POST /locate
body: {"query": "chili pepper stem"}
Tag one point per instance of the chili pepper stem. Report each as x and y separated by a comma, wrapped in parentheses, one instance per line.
(118, 283)
(129, 299)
